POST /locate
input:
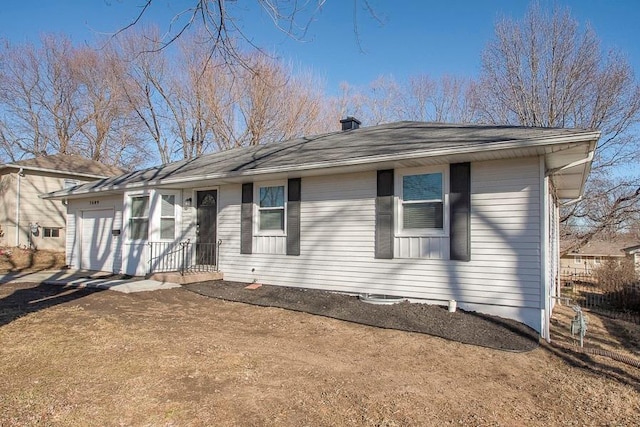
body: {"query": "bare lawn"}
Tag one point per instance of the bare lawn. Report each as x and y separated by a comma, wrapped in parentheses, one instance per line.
(173, 357)
(24, 260)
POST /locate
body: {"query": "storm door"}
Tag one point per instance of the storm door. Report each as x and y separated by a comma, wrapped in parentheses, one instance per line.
(206, 232)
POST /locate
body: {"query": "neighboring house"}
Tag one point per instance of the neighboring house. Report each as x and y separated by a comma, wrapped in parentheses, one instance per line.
(431, 212)
(29, 221)
(634, 253)
(583, 260)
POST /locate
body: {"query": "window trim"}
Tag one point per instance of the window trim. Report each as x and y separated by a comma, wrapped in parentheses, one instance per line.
(51, 229)
(128, 211)
(399, 202)
(160, 217)
(257, 209)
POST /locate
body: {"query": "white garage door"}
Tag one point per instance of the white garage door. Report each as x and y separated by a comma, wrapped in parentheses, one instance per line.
(96, 251)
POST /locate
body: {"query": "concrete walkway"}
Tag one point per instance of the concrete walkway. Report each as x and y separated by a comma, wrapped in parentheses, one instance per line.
(89, 279)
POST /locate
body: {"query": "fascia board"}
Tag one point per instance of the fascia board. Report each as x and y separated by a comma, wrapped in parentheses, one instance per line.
(52, 171)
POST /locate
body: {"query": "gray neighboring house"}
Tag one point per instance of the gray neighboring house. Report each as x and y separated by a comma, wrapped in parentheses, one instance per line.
(26, 219)
(427, 211)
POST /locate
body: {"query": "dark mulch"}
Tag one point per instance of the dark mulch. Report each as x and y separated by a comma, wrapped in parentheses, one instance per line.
(462, 326)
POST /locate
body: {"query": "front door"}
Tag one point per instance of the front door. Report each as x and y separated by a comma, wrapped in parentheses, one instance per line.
(207, 208)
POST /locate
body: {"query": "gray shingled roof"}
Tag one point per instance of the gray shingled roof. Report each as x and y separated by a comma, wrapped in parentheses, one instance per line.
(69, 163)
(364, 144)
(612, 247)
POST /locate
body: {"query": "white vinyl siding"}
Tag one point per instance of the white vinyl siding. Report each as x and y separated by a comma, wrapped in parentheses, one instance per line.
(71, 249)
(337, 243)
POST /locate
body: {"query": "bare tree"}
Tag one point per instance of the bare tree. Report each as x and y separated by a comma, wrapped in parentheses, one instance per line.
(545, 71)
(349, 102)
(110, 134)
(276, 104)
(446, 99)
(58, 98)
(145, 85)
(420, 98)
(220, 21)
(38, 96)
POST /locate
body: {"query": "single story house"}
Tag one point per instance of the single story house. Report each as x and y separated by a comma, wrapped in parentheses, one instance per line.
(26, 219)
(633, 252)
(583, 260)
(428, 211)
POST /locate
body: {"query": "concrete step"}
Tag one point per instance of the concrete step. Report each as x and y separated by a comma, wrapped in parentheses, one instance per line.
(188, 277)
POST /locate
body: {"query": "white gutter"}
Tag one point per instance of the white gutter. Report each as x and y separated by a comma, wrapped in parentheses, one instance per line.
(56, 171)
(20, 175)
(571, 201)
(572, 164)
(417, 154)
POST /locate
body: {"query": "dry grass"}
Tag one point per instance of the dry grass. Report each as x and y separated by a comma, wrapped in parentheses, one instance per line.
(176, 358)
(16, 259)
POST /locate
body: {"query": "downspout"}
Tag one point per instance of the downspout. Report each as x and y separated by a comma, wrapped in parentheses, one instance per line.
(544, 249)
(20, 175)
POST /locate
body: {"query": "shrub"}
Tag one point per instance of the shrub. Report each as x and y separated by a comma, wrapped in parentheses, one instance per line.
(618, 281)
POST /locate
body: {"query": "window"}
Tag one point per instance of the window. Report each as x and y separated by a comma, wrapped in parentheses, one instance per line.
(50, 232)
(139, 220)
(422, 202)
(597, 260)
(271, 208)
(577, 259)
(168, 216)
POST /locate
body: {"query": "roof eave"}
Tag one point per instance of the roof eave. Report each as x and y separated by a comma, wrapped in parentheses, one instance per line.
(416, 154)
(53, 171)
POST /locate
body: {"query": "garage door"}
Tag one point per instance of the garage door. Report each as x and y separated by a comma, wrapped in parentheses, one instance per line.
(96, 251)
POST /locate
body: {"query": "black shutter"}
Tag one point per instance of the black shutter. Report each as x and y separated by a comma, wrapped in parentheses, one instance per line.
(460, 211)
(293, 217)
(246, 219)
(384, 215)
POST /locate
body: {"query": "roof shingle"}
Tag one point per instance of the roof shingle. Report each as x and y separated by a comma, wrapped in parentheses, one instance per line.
(360, 145)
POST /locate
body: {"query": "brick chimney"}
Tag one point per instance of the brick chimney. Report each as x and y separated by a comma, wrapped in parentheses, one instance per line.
(350, 123)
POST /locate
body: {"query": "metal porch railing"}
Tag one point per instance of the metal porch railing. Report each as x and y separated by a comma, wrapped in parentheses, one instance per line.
(183, 257)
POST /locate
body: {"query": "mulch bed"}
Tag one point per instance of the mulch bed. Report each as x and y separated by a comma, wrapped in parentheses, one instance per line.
(461, 326)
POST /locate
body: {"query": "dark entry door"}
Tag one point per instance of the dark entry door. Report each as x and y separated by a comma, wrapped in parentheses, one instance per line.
(207, 208)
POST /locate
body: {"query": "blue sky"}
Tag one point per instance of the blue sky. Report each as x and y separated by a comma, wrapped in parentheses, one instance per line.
(431, 37)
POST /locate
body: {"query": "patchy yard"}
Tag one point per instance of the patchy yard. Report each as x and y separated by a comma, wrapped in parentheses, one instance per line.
(76, 357)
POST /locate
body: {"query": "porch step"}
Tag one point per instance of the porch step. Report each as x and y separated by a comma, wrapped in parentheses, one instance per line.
(174, 277)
